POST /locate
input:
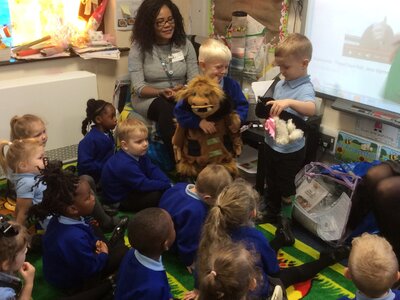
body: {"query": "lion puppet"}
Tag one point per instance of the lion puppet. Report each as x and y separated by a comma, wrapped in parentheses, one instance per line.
(195, 149)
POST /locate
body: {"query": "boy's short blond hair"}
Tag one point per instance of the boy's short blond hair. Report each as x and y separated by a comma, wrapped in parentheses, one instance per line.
(212, 49)
(373, 265)
(130, 126)
(296, 45)
(212, 180)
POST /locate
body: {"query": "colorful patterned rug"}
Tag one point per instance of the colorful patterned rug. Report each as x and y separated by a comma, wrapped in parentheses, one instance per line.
(330, 284)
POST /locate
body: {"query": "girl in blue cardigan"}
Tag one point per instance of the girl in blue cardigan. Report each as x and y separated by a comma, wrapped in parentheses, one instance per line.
(75, 257)
(98, 145)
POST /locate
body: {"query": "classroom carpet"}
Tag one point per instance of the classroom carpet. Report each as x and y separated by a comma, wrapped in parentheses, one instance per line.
(329, 284)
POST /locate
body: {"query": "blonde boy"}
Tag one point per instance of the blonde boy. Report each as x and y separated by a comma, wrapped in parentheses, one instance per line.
(295, 94)
(214, 59)
(129, 179)
(373, 267)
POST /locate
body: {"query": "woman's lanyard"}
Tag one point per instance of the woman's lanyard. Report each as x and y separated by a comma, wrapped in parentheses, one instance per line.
(167, 67)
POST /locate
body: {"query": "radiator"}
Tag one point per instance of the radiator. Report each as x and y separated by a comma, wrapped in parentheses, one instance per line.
(59, 99)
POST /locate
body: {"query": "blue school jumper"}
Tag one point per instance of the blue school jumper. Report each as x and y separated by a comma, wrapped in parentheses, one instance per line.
(188, 213)
(124, 173)
(393, 295)
(69, 257)
(255, 241)
(141, 278)
(187, 119)
(93, 152)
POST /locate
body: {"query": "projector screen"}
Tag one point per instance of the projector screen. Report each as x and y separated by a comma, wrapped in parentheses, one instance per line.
(355, 43)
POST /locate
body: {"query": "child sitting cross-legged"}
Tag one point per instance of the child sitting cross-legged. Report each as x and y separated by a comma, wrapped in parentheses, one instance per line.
(142, 275)
(14, 240)
(76, 256)
(373, 267)
(188, 205)
(98, 145)
(129, 179)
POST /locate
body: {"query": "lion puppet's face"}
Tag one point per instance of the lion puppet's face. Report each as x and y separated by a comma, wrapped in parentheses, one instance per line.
(203, 94)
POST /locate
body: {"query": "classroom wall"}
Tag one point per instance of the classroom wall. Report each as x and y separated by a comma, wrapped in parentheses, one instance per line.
(107, 71)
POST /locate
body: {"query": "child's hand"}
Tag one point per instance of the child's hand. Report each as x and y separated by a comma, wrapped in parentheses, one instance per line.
(277, 106)
(207, 127)
(101, 247)
(191, 295)
(27, 272)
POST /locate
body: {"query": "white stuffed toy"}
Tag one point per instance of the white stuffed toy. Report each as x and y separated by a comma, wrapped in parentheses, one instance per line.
(281, 131)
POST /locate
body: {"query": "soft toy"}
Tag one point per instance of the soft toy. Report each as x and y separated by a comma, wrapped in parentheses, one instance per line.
(194, 149)
(283, 132)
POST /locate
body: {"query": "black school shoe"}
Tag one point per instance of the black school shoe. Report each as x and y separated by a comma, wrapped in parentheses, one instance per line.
(337, 254)
(118, 232)
(284, 232)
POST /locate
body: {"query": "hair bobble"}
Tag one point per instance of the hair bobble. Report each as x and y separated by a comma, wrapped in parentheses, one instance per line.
(212, 272)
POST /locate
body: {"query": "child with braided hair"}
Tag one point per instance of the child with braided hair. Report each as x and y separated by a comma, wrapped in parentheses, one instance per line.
(98, 144)
(69, 243)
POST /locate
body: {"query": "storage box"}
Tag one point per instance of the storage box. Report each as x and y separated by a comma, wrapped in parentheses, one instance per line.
(323, 203)
(5, 54)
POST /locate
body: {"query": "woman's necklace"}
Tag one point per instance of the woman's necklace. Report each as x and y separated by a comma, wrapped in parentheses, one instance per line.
(166, 63)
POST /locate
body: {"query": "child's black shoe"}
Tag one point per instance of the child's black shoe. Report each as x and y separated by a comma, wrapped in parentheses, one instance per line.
(119, 231)
(284, 232)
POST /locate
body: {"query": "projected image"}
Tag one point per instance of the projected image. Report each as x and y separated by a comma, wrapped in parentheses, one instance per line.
(355, 52)
(377, 43)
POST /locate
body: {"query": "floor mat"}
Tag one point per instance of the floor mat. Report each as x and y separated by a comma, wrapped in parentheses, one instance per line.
(330, 284)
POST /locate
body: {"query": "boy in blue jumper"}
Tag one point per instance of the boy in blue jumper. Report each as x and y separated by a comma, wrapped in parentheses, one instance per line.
(214, 58)
(188, 206)
(293, 95)
(142, 275)
(129, 179)
(373, 267)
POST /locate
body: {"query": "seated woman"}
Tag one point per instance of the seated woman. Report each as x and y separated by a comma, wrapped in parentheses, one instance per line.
(379, 191)
(161, 60)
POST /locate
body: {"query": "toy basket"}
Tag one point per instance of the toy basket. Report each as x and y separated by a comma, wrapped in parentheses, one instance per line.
(323, 200)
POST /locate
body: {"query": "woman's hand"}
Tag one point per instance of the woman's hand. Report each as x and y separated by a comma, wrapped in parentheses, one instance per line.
(168, 94)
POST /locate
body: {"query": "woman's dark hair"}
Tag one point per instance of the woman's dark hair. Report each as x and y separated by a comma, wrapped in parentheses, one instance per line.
(143, 31)
(59, 193)
(93, 109)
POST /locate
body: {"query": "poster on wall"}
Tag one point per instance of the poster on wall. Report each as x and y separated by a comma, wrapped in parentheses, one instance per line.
(125, 12)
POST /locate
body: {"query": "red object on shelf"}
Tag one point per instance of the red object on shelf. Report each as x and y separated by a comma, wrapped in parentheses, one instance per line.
(27, 52)
(6, 31)
(97, 16)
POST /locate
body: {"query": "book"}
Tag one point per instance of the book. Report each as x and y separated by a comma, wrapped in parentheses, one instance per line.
(309, 194)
